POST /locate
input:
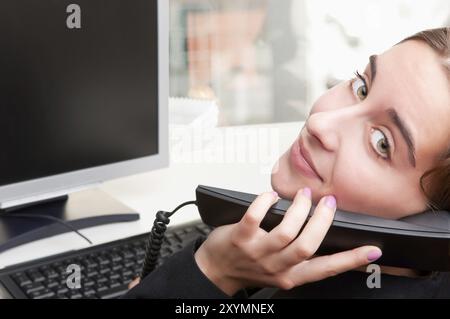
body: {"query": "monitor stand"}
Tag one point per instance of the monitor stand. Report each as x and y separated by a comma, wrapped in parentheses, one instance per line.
(81, 210)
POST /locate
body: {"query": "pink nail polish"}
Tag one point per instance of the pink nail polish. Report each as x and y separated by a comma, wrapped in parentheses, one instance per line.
(307, 192)
(330, 201)
(275, 194)
(374, 255)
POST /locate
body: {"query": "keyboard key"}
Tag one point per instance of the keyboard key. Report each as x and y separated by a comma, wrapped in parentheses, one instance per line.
(127, 255)
(127, 273)
(103, 260)
(92, 256)
(117, 267)
(75, 295)
(36, 276)
(61, 270)
(139, 252)
(115, 292)
(89, 293)
(50, 273)
(90, 263)
(115, 257)
(42, 294)
(52, 284)
(33, 287)
(114, 276)
(62, 291)
(102, 288)
(114, 283)
(22, 279)
(104, 270)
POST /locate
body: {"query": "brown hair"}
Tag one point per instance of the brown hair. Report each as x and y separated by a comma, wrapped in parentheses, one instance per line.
(435, 183)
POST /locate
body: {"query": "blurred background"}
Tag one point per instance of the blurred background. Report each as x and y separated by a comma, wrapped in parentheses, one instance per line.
(263, 61)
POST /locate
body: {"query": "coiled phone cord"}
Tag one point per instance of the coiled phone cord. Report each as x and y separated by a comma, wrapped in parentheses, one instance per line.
(156, 238)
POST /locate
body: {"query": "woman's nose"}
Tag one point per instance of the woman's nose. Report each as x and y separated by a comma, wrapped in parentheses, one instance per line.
(328, 127)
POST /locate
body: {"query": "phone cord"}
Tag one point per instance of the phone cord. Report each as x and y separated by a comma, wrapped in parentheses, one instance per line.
(156, 238)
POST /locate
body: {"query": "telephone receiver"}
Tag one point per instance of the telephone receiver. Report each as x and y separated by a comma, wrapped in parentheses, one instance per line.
(421, 241)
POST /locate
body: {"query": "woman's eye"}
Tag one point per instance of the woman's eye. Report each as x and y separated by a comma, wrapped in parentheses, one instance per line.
(359, 87)
(380, 143)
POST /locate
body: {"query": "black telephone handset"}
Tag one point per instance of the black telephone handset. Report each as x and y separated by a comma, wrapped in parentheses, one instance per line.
(420, 241)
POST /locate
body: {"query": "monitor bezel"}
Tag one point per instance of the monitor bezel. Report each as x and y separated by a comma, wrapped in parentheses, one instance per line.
(56, 185)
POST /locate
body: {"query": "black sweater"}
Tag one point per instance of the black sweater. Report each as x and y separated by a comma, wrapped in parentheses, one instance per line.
(180, 277)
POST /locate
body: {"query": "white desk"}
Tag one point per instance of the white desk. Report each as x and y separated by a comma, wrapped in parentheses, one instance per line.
(238, 158)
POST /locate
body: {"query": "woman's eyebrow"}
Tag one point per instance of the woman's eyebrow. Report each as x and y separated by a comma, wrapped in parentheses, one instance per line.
(405, 132)
(395, 118)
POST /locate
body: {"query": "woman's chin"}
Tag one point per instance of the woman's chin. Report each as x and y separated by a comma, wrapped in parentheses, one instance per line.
(281, 180)
(282, 191)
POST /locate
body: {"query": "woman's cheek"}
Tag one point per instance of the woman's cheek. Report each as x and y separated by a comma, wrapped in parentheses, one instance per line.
(357, 188)
(349, 190)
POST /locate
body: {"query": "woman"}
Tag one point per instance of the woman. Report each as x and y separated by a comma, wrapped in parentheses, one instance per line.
(377, 144)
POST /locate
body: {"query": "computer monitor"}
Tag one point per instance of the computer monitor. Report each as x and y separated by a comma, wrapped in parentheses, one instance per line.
(83, 94)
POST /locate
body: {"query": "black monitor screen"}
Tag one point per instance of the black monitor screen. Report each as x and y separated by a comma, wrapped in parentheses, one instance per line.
(78, 85)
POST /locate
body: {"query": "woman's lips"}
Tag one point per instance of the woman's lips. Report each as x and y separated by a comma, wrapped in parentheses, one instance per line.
(301, 160)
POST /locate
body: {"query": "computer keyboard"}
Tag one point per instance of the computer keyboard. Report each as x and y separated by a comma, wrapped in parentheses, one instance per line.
(106, 270)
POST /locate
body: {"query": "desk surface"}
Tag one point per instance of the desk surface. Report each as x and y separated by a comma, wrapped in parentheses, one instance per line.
(239, 158)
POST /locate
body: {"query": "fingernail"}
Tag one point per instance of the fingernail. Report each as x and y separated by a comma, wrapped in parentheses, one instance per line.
(330, 201)
(374, 255)
(307, 192)
(275, 194)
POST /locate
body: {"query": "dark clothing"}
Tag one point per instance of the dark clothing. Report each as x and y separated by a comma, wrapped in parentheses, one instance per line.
(180, 277)
(352, 284)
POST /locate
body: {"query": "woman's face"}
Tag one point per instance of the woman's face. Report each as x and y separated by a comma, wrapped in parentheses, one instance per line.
(370, 139)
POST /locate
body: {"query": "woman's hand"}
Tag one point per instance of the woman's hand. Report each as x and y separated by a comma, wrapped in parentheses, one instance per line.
(243, 255)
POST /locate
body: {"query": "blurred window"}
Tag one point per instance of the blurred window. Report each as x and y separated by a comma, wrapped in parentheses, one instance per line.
(269, 60)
